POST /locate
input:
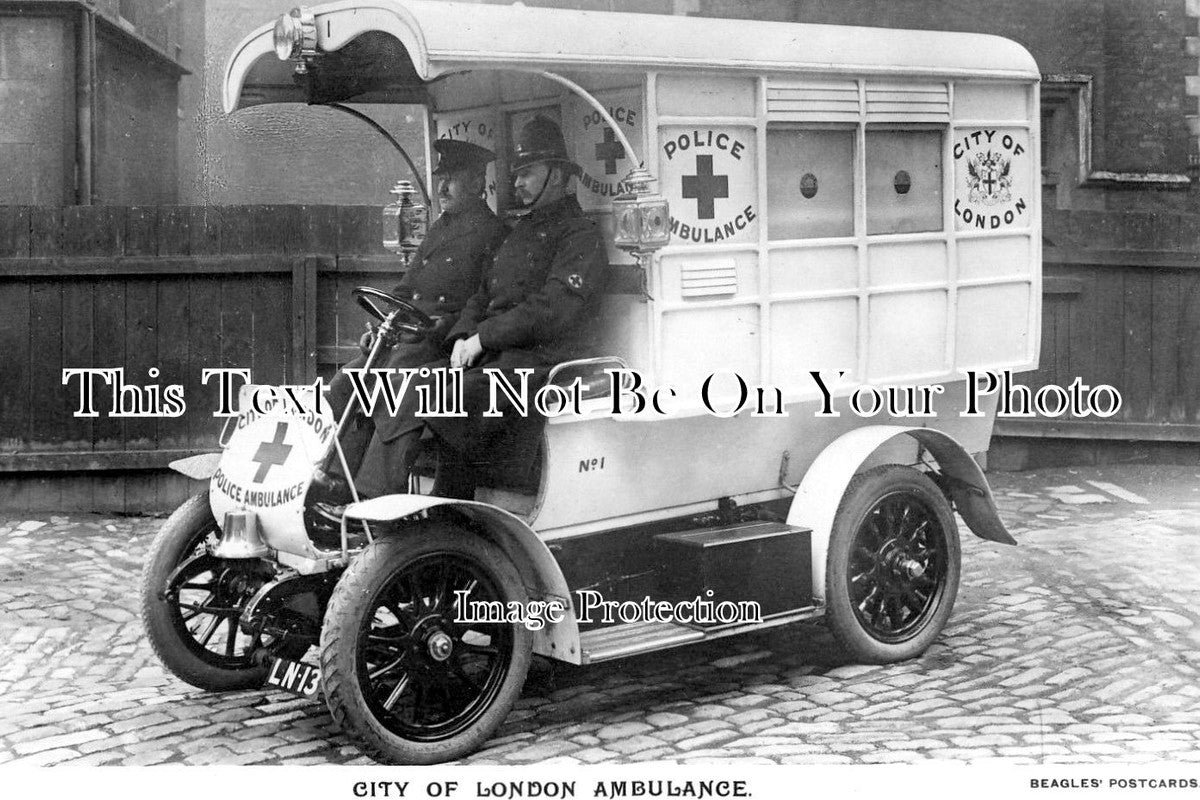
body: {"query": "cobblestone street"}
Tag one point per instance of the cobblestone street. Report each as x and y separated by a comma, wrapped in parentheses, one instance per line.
(1082, 645)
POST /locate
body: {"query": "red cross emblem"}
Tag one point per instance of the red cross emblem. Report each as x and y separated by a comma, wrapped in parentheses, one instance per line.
(272, 453)
(609, 151)
(704, 187)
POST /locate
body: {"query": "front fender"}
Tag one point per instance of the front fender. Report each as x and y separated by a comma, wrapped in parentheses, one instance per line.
(199, 468)
(820, 493)
(533, 560)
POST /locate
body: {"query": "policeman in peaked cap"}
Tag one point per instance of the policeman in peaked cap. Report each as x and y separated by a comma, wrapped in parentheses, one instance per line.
(446, 268)
(445, 271)
(456, 154)
(535, 308)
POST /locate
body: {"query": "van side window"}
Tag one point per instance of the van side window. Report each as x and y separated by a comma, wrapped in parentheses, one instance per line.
(810, 183)
(904, 181)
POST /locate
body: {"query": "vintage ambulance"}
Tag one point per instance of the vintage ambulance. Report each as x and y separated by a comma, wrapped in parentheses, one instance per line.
(851, 228)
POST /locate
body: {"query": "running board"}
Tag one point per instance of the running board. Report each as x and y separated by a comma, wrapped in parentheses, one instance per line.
(636, 638)
(618, 641)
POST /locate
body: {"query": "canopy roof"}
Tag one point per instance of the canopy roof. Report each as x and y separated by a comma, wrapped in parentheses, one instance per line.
(385, 50)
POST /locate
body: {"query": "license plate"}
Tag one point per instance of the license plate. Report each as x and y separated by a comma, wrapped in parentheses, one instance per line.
(294, 676)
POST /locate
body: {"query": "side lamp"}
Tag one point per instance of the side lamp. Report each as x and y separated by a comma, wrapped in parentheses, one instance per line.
(404, 222)
(642, 218)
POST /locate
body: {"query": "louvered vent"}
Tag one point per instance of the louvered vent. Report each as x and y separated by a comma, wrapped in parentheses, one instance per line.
(710, 280)
(908, 102)
(813, 101)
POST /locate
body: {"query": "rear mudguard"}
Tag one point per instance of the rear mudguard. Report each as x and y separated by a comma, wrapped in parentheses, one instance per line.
(820, 493)
(538, 569)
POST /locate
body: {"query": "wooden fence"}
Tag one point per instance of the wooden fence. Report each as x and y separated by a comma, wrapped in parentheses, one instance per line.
(1121, 305)
(179, 289)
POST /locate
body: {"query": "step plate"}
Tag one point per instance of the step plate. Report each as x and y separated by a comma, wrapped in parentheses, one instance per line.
(623, 641)
(769, 563)
(620, 641)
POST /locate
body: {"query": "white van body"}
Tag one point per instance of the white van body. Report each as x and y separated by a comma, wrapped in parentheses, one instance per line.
(916, 258)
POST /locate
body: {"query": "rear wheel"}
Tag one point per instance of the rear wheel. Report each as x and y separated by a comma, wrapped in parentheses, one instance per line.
(893, 565)
(402, 671)
(192, 602)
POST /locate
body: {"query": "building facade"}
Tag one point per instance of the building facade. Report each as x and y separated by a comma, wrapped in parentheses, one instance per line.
(96, 97)
(1120, 84)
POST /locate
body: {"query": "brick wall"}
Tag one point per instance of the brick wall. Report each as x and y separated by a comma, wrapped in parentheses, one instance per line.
(1191, 45)
(1144, 94)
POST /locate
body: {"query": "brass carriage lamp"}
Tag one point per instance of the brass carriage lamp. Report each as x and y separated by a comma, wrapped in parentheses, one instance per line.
(641, 216)
(404, 222)
(295, 36)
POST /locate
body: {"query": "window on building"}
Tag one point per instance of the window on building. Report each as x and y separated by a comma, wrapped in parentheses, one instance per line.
(904, 181)
(810, 182)
(1066, 133)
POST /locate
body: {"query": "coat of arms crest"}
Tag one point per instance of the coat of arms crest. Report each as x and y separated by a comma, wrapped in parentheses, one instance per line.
(988, 178)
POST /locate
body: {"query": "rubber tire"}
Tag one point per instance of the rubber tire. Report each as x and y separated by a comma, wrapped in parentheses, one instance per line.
(174, 542)
(860, 496)
(347, 606)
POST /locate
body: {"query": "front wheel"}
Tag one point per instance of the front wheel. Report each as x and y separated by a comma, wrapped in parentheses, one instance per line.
(402, 669)
(892, 569)
(192, 602)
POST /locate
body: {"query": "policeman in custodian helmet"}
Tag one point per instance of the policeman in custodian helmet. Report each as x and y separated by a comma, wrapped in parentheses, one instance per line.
(535, 308)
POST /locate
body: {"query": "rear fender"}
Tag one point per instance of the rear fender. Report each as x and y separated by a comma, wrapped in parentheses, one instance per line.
(820, 494)
(533, 560)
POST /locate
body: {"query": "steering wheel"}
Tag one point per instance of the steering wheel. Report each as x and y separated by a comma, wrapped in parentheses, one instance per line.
(410, 318)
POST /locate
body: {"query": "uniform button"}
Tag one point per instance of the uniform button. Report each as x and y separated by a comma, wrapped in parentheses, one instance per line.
(441, 298)
(416, 295)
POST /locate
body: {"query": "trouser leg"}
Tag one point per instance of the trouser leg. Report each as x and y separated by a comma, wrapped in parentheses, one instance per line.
(455, 478)
(359, 428)
(341, 389)
(385, 465)
(355, 441)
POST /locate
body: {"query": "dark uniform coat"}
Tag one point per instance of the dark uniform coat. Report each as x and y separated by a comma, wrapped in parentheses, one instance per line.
(445, 272)
(447, 267)
(537, 294)
(534, 309)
